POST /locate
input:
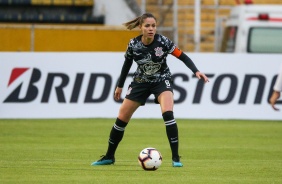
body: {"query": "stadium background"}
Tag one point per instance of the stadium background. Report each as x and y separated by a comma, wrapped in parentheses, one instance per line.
(90, 25)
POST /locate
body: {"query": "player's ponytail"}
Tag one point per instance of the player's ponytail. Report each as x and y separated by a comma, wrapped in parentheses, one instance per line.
(133, 23)
(138, 21)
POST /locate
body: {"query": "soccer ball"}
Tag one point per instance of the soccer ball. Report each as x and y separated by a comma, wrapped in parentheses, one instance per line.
(150, 159)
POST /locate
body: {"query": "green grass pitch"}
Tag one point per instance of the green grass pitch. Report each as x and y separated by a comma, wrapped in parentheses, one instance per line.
(213, 151)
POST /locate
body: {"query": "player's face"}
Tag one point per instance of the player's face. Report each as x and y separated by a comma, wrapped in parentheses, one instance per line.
(149, 28)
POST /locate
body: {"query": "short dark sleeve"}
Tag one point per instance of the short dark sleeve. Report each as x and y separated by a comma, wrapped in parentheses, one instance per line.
(129, 53)
(170, 46)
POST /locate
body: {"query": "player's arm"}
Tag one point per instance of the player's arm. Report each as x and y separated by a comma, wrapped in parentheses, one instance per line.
(185, 59)
(189, 63)
(124, 72)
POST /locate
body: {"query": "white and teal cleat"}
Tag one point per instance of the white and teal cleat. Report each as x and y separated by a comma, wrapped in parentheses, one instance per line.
(104, 161)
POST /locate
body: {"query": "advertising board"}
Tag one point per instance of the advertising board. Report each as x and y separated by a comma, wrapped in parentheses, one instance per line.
(82, 84)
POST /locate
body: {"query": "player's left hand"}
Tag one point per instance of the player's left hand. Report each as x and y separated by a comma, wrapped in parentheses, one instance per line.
(200, 75)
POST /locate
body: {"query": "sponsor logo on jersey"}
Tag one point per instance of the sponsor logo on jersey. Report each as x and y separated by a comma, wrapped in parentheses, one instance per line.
(151, 68)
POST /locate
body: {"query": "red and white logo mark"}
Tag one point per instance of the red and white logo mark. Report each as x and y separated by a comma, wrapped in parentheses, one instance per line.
(16, 72)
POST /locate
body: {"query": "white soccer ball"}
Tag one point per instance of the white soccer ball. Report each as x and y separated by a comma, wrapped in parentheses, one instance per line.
(150, 159)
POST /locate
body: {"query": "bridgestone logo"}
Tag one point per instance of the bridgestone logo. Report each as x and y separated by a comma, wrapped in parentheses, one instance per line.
(90, 95)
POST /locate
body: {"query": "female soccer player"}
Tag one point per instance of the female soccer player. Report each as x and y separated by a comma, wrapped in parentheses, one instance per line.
(149, 50)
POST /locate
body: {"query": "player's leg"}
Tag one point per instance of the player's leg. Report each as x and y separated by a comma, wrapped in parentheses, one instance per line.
(166, 101)
(127, 109)
(164, 95)
(136, 96)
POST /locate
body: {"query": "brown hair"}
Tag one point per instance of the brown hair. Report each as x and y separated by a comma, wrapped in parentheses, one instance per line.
(138, 21)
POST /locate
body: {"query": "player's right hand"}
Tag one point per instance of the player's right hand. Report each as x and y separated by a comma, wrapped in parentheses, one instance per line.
(117, 93)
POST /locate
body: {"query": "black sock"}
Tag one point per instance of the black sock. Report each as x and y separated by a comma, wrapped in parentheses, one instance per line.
(115, 137)
(172, 132)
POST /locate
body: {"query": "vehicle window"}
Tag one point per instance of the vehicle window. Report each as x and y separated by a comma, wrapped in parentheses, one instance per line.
(229, 39)
(265, 40)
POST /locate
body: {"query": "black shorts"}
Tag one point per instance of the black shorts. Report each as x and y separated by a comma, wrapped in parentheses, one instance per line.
(140, 92)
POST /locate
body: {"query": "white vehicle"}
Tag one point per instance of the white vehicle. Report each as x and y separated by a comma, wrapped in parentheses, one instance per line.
(253, 29)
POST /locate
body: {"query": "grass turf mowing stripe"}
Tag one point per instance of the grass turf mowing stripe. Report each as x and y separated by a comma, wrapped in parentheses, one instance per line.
(213, 151)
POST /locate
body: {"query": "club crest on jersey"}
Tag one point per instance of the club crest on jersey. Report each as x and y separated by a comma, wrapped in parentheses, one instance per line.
(159, 51)
(129, 91)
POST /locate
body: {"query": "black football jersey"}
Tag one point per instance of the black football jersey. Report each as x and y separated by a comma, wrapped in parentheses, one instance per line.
(150, 59)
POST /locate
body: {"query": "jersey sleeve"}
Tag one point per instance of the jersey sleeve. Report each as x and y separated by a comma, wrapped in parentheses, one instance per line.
(129, 53)
(127, 64)
(124, 72)
(170, 46)
(176, 52)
